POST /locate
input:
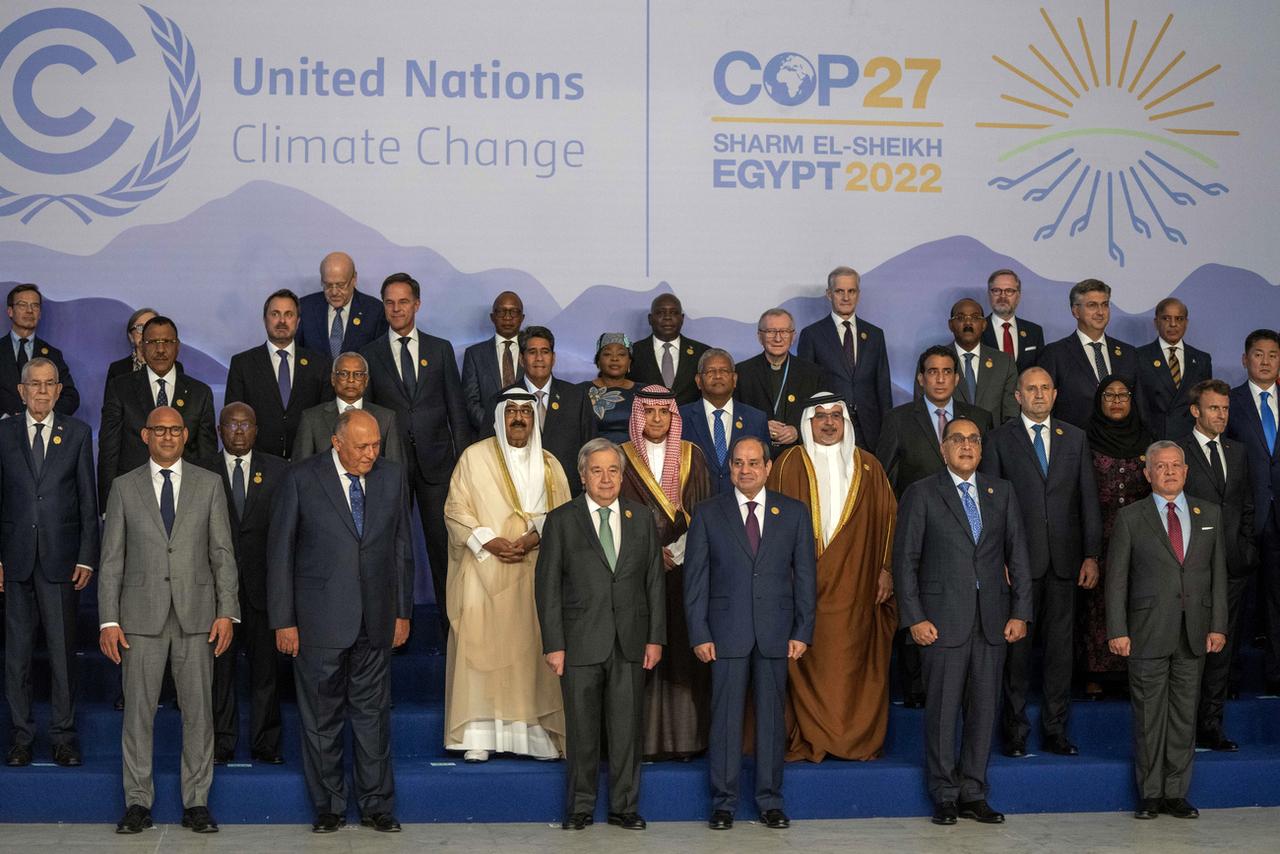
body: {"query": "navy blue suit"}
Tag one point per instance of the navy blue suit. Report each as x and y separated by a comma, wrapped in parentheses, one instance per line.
(749, 606)
(482, 380)
(363, 317)
(11, 376)
(867, 389)
(1163, 406)
(746, 421)
(1027, 345)
(1074, 376)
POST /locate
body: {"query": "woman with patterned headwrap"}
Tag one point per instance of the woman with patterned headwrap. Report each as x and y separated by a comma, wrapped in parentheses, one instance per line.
(670, 477)
(611, 393)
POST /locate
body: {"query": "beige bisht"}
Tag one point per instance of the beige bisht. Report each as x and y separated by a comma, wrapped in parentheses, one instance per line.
(499, 694)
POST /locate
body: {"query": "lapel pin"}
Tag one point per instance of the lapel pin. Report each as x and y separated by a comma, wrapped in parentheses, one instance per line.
(355, 321)
(257, 477)
(866, 467)
(422, 362)
(863, 336)
(989, 363)
(688, 351)
(791, 398)
(990, 491)
(626, 513)
(774, 510)
(1195, 510)
(555, 404)
(1117, 351)
(57, 440)
(738, 424)
(1156, 363)
(303, 361)
(1058, 431)
(44, 351)
(180, 402)
(1142, 458)
(1022, 333)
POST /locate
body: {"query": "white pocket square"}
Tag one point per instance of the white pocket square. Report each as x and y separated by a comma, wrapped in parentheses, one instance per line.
(1210, 528)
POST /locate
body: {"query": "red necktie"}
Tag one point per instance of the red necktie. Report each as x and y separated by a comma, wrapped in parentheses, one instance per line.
(1175, 530)
(1008, 340)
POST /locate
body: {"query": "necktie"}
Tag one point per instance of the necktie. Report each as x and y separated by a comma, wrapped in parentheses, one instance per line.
(1175, 529)
(1099, 363)
(606, 538)
(668, 366)
(1007, 345)
(347, 407)
(942, 422)
(850, 353)
(1175, 367)
(162, 397)
(356, 494)
(753, 528)
(1268, 422)
(167, 510)
(1042, 455)
(37, 449)
(408, 371)
(335, 335)
(542, 409)
(283, 377)
(971, 510)
(22, 353)
(508, 365)
(1215, 463)
(970, 378)
(237, 487)
(718, 437)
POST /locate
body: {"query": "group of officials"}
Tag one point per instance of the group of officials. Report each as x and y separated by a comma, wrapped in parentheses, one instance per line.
(767, 525)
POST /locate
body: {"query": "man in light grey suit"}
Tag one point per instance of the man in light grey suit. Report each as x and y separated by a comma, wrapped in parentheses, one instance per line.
(1166, 591)
(167, 592)
(987, 377)
(350, 378)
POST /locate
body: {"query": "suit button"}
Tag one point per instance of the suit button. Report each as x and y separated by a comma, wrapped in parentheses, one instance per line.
(170, 551)
(39, 498)
(166, 578)
(755, 575)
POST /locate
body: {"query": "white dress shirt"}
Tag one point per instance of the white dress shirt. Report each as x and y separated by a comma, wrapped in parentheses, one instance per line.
(1177, 348)
(274, 352)
(1183, 514)
(157, 480)
(170, 380)
(727, 419)
(1087, 343)
(742, 507)
(499, 347)
(997, 325)
(839, 322)
(1257, 390)
(344, 480)
(31, 429)
(659, 347)
(1204, 441)
(343, 406)
(1045, 434)
(961, 352)
(229, 460)
(615, 520)
(396, 348)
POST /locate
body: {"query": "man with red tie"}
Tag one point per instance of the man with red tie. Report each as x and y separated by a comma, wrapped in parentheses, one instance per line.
(1016, 337)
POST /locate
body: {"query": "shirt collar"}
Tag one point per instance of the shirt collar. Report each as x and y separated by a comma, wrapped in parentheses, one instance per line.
(1031, 425)
(949, 407)
(168, 378)
(710, 408)
(839, 321)
(15, 338)
(230, 459)
(176, 468)
(395, 336)
(962, 351)
(498, 341)
(1180, 502)
(592, 506)
(342, 405)
(528, 383)
(1256, 390)
(342, 472)
(1203, 439)
(971, 480)
(1088, 343)
(291, 349)
(742, 499)
(48, 419)
(658, 344)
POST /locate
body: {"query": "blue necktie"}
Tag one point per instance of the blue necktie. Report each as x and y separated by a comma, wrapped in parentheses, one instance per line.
(722, 445)
(408, 372)
(162, 399)
(971, 510)
(167, 511)
(356, 494)
(1099, 363)
(283, 377)
(1041, 454)
(970, 378)
(335, 335)
(1268, 422)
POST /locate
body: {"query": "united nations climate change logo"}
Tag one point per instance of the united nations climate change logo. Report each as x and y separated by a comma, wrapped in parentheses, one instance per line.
(1118, 132)
(138, 181)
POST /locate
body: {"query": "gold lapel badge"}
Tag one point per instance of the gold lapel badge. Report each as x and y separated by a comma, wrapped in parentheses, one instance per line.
(303, 361)
(989, 363)
(355, 321)
(422, 362)
(555, 404)
(863, 336)
(626, 513)
(791, 398)
(1117, 351)
(1195, 510)
(57, 440)
(1058, 431)
(257, 477)
(990, 491)
(774, 510)
(44, 351)
(866, 467)
(180, 402)
(738, 424)
(1156, 363)
(1022, 333)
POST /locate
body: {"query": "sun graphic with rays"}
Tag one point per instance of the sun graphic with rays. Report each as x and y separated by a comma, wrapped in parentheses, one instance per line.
(1082, 103)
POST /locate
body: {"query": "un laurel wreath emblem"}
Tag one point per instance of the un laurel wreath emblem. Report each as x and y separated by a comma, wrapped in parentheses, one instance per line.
(166, 154)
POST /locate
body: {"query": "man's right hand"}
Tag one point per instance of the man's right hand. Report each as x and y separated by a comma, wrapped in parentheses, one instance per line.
(504, 550)
(924, 633)
(1120, 646)
(110, 639)
(287, 641)
(555, 660)
(706, 652)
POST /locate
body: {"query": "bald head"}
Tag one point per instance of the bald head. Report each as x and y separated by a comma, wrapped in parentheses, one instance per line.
(338, 278)
(356, 439)
(165, 435)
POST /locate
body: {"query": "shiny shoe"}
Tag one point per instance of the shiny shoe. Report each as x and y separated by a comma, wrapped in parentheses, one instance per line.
(627, 820)
(19, 755)
(328, 822)
(1179, 808)
(476, 756)
(1015, 749)
(577, 821)
(199, 820)
(1148, 808)
(1058, 744)
(1217, 741)
(980, 811)
(945, 813)
(67, 755)
(775, 820)
(137, 818)
(383, 822)
(720, 820)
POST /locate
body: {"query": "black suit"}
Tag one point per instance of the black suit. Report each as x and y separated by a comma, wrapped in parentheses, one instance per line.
(801, 380)
(942, 576)
(48, 524)
(601, 618)
(125, 407)
(363, 319)
(1163, 406)
(570, 423)
(1234, 495)
(125, 366)
(1063, 525)
(253, 379)
(1027, 344)
(434, 430)
(867, 388)
(249, 533)
(11, 376)
(482, 380)
(647, 370)
(1075, 377)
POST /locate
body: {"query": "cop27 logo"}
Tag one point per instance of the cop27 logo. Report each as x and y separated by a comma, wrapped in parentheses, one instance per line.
(138, 181)
(1117, 113)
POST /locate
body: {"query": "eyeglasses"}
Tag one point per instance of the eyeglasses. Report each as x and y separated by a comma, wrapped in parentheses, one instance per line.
(716, 372)
(138, 327)
(162, 431)
(963, 318)
(34, 306)
(958, 439)
(337, 286)
(351, 375)
(1004, 292)
(775, 333)
(156, 342)
(239, 426)
(42, 385)
(1116, 396)
(508, 312)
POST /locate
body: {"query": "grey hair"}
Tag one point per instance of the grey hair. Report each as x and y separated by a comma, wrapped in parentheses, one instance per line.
(1164, 445)
(775, 312)
(37, 362)
(711, 353)
(351, 354)
(596, 445)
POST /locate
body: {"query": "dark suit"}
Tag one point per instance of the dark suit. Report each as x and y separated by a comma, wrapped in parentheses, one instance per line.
(482, 380)
(749, 604)
(249, 534)
(1075, 377)
(1063, 525)
(48, 524)
(1234, 497)
(364, 319)
(11, 376)
(1166, 609)
(800, 381)
(1027, 344)
(315, 429)
(746, 421)
(125, 406)
(909, 448)
(647, 370)
(125, 366)
(254, 379)
(867, 390)
(1164, 407)
(1245, 427)
(602, 619)
(344, 591)
(434, 430)
(942, 576)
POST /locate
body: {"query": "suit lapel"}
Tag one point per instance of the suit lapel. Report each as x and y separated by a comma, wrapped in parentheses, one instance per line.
(986, 506)
(827, 333)
(52, 443)
(1195, 457)
(186, 500)
(733, 518)
(264, 365)
(328, 477)
(951, 497)
(147, 494)
(586, 520)
(1152, 515)
(252, 486)
(925, 422)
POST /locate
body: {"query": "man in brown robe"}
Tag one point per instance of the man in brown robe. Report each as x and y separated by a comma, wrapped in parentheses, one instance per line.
(839, 698)
(670, 477)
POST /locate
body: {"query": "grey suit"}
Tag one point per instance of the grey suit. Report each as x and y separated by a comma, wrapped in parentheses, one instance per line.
(165, 592)
(316, 428)
(1166, 609)
(997, 376)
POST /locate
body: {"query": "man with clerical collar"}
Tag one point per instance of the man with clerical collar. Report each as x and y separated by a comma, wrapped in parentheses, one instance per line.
(670, 477)
(839, 697)
(498, 696)
(776, 382)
